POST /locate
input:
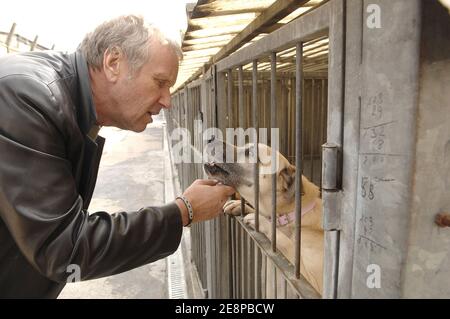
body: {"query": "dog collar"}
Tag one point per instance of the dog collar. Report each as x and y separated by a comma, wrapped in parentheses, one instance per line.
(290, 217)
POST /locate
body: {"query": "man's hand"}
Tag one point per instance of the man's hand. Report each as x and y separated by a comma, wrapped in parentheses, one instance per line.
(207, 198)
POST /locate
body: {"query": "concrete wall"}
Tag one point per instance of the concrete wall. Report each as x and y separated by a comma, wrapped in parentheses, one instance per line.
(428, 263)
(396, 165)
(389, 76)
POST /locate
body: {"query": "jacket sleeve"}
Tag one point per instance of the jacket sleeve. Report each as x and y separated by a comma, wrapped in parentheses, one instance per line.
(42, 209)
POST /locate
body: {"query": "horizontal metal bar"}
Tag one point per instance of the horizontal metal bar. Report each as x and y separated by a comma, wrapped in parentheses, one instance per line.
(307, 27)
(194, 84)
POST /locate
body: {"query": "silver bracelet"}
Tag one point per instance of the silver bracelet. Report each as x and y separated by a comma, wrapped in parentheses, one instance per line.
(189, 207)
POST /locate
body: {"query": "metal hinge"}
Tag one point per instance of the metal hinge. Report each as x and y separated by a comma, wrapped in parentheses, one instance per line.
(331, 186)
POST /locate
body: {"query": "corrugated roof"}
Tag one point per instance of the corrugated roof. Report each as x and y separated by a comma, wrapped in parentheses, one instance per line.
(217, 28)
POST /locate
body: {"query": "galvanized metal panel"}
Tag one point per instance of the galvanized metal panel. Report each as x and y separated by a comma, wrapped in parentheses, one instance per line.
(355, 23)
(388, 119)
(334, 137)
(330, 265)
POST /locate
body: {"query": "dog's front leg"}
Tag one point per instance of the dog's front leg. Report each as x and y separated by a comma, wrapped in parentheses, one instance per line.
(284, 244)
(264, 224)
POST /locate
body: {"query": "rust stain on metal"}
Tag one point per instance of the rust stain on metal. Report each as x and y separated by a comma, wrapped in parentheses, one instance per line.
(442, 220)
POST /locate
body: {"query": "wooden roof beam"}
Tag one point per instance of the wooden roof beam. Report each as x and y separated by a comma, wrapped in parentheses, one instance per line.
(277, 11)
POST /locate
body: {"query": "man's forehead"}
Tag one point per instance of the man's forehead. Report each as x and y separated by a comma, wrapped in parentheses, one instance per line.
(163, 65)
(166, 76)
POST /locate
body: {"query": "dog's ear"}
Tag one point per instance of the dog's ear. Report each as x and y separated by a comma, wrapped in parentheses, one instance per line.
(287, 175)
(288, 181)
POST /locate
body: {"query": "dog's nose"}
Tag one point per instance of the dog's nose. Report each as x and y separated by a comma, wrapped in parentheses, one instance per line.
(213, 137)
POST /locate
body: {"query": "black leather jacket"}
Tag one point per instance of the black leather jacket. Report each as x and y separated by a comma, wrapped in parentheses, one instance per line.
(48, 169)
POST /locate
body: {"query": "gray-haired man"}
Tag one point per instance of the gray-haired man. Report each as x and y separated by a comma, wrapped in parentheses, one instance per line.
(51, 107)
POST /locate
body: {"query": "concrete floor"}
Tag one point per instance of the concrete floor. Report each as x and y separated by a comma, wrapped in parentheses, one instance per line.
(131, 176)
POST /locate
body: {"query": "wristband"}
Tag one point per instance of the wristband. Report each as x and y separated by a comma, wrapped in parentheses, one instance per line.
(189, 207)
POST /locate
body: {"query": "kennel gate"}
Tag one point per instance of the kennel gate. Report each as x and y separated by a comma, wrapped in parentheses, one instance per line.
(231, 279)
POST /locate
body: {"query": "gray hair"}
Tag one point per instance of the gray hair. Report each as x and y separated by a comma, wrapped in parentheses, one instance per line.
(130, 35)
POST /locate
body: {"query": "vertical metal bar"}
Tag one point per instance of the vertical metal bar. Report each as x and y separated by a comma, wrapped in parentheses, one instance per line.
(238, 259)
(250, 267)
(273, 104)
(304, 102)
(214, 260)
(311, 136)
(283, 288)
(298, 154)
(200, 255)
(243, 263)
(241, 97)
(9, 37)
(206, 257)
(179, 109)
(265, 266)
(241, 119)
(220, 264)
(230, 97)
(230, 257)
(233, 256)
(274, 281)
(34, 43)
(220, 119)
(258, 272)
(196, 244)
(284, 112)
(256, 126)
(217, 265)
(322, 124)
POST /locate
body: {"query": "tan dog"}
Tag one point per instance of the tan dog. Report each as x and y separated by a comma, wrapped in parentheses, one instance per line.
(241, 176)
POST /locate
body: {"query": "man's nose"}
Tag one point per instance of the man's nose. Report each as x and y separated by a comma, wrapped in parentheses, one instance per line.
(165, 100)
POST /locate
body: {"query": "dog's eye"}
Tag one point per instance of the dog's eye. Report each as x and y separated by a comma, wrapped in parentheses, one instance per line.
(250, 153)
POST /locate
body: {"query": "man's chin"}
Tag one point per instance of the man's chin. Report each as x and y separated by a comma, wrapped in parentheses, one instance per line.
(138, 128)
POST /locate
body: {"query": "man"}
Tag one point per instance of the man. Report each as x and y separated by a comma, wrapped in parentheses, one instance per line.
(51, 107)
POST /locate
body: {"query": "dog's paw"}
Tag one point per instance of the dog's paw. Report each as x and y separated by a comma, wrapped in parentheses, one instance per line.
(232, 207)
(249, 221)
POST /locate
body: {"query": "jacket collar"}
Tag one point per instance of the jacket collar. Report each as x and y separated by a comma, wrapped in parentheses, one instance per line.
(87, 116)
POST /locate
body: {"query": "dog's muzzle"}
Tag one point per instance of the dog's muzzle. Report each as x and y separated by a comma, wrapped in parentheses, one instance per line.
(215, 169)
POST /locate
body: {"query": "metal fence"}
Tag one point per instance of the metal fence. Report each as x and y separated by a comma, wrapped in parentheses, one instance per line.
(280, 82)
(10, 42)
(391, 162)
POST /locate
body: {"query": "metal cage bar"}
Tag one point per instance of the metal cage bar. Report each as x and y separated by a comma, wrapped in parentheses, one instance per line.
(273, 122)
(298, 155)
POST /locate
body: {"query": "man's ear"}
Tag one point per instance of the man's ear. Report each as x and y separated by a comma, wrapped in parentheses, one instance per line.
(112, 60)
(287, 177)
